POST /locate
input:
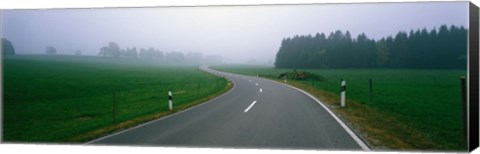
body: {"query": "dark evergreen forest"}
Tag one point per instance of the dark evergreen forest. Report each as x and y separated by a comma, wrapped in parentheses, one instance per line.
(418, 49)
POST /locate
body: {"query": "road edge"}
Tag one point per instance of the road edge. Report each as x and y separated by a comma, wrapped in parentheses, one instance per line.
(354, 135)
(170, 115)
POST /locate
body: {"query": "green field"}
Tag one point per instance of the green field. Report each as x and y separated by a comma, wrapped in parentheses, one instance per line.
(411, 109)
(69, 98)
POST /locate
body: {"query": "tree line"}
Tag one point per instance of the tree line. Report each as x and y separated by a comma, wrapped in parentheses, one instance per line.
(114, 50)
(419, 49)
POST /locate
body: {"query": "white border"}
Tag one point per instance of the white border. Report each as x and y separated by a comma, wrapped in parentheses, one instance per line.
(48, 4)
(38, 4)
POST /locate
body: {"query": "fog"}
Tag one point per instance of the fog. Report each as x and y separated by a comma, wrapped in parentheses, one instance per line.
(241, 34)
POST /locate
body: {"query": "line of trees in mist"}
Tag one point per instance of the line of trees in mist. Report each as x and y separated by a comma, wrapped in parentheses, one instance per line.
(420, 49)
(114, 50)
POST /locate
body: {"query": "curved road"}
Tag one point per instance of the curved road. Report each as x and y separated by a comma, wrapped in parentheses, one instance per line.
(255, 113)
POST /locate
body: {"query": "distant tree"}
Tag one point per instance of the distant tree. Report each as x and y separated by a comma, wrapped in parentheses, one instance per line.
(151, 52)
(104, 51)
(112, 50)
(78, 53)
(7, 48)
(143, 53)
(383, 53)
(50, 50)
(159, 54)
(131, 52)
(123, 53)
(175, 56)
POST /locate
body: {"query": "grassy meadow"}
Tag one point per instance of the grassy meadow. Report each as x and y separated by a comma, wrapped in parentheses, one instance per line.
(69, 98)
(411, 109)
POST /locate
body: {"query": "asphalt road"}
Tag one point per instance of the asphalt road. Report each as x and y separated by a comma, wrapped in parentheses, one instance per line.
(255, 113)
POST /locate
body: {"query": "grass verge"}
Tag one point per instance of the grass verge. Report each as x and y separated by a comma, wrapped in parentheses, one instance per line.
(63, 99)
(88, 136)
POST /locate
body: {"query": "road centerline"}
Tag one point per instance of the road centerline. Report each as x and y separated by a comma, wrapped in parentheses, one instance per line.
(250, 106)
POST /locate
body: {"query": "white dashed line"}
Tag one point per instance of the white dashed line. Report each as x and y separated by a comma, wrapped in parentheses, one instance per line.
(251, 105)
(260, 89)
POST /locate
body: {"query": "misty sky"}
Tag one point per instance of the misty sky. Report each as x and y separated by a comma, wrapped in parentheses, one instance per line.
(238, 33)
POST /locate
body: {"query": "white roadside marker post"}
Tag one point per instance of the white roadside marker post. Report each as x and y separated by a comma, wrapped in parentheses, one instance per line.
(342, 93)
(170, 100)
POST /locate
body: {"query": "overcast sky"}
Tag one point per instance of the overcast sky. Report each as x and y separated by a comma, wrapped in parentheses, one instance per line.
(239, 33)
